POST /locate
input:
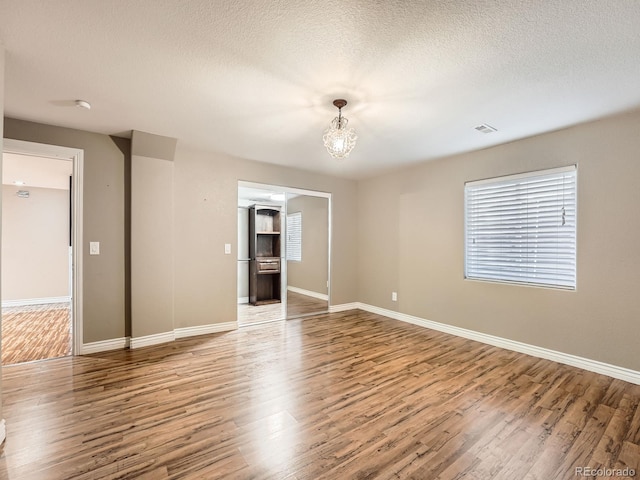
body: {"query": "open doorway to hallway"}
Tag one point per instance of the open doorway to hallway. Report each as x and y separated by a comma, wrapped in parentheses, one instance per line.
(36, 258)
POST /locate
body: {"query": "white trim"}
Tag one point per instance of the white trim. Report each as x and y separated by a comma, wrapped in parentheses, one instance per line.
(77, 306)
(516, 176)
(205, 329)
(243, 300)
(105, 345)
(280, 188)
(155, 339)
(22, 147)
(308, 293)
(127, 342)
(595, 366)
(3, 431)
(344, 307)
(35, 301)
(76, 156)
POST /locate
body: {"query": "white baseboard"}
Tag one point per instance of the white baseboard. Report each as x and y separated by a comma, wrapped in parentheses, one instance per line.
(155, 339)
(308, 293)
(243, 299)
(595, 366)
(105, 345)
(3, 431)
(344, 307)
(621, 373)
(205, 329)
(137, 342)
(35, 301)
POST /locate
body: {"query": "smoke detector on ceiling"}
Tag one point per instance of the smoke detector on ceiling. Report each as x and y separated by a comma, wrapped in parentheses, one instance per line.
(484, 128)
(83, 104)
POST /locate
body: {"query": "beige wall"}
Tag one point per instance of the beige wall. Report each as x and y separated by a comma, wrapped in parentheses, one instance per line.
(205, 189)
(151, 246)
(312, 272)
(412, 223)
(35, 243)
(206, 198)
(398, 232)
(103, 221)
(152, 233)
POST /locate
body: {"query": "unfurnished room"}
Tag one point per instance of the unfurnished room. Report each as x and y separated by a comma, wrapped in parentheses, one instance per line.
(320, 240)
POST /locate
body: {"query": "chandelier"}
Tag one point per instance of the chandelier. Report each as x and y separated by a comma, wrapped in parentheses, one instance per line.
(339, 139)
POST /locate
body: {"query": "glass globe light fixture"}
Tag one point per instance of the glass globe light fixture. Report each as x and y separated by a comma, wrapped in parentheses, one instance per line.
(338, 139)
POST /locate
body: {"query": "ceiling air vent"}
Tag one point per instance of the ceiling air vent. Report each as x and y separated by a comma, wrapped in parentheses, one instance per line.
(23, 193)
(484, 128)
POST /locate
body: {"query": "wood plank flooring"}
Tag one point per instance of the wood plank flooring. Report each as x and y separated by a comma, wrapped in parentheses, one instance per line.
(300, 305)
(349, 395)
(35, 332)
(253, 314)
(297, 305)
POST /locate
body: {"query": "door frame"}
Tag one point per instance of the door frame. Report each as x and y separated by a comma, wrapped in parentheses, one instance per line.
(299, 191)
(76, 156)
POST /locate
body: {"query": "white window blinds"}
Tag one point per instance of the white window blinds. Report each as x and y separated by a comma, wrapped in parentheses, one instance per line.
(294, 237)
(522, 228)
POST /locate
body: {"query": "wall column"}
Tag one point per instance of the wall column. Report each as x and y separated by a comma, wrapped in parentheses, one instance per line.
(152, 239)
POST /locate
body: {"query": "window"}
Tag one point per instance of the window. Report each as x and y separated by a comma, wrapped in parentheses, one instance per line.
(294, 237)
(522, 228)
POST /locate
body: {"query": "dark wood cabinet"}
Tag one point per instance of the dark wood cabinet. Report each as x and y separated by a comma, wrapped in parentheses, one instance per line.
(264, 254)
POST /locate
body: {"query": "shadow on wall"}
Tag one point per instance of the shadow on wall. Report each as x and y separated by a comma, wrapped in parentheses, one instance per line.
(124, 145)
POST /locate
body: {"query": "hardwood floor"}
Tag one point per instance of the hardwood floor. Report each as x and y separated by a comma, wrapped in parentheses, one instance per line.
(35, 332)
(254, 314)
(297, 305)
(350, 395)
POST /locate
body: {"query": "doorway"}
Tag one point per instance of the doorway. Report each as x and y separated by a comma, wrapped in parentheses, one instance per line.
(304, 226)
(41, 235)
(252, 312)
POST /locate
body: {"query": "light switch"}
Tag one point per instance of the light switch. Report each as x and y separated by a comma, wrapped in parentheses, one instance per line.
(94, 248)
(227, 248)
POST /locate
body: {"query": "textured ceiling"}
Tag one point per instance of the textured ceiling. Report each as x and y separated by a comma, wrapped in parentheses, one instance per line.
(255, 78)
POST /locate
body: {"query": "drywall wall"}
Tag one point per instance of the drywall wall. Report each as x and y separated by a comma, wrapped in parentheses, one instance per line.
(151, 234)
(103, 220)
(205, 205)
(312, 272)
(412, 223)
(35, 243)
(206, 196)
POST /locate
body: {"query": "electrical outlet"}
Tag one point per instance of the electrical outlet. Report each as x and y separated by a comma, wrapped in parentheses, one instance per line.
(394, 296)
